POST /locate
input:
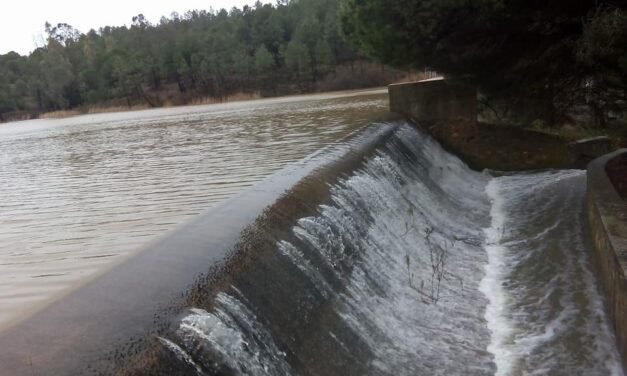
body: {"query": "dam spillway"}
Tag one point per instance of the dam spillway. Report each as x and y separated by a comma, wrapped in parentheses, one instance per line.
(351, 289)
(400, 262)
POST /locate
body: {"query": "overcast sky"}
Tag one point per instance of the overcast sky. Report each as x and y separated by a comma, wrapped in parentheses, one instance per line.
(22, 21)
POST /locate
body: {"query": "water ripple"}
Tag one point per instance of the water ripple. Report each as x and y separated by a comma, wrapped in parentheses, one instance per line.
(77, 194)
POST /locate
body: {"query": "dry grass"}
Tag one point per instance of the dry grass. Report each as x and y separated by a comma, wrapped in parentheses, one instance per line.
(62, 114)
(106, 109)
(241, 96)
(59, 114)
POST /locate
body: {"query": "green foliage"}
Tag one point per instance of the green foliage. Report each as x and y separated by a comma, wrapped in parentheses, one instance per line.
(547, 53)
(297, 57)
(603, 51)
(57, 77)
(263, 60)
(280, 48)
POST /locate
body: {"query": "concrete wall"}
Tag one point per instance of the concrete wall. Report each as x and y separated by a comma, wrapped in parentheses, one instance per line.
(607, 216)
(585, 151)
(434, 100)
(448, 111)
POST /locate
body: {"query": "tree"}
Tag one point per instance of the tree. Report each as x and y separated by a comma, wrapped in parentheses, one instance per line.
(603, 50)
(307, 34)
(264, 62)
(63, 33)
(6, 104)
(323, 54)
(297, 57)
(512, 48)
(57, 77)
(198, 53)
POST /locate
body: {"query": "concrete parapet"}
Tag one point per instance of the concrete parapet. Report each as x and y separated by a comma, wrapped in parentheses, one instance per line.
(434, 100)
(584, 151)
(448, 111)
(607, 217)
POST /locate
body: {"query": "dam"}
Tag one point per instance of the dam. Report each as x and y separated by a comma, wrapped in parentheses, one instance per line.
(378, 253)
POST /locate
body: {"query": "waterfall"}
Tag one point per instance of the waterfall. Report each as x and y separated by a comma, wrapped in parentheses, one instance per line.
(545, 313)
(414, 265)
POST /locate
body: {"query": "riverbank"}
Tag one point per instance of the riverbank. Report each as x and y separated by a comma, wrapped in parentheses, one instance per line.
(198, 104)
(343, 80)
(89, 110)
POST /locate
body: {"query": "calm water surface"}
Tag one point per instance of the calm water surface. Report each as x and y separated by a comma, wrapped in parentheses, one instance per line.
(80, 193)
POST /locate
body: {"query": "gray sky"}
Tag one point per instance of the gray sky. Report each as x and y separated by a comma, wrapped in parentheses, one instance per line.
(22, 21)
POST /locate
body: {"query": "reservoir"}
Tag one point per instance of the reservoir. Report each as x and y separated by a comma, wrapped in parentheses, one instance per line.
(82, 193)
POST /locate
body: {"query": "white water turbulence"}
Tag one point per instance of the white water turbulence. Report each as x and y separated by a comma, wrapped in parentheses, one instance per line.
(416, 265)
(546, 314)
(231, 333)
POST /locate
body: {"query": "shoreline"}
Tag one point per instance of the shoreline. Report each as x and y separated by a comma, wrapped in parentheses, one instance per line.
(197, 103)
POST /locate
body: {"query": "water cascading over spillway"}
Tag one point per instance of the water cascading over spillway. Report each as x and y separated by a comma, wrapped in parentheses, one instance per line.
(415, 265)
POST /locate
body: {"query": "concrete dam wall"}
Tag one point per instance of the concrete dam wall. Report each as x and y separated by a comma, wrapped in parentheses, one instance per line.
(433, 101)
(607, 217)
(383, 254)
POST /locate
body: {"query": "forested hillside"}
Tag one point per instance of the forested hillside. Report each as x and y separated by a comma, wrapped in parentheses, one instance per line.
(556, 58)
(289, 47)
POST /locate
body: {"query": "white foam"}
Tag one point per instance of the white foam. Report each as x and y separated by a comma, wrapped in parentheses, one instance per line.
(180, 353)
(371, 249)
(501, 328)
(233, 335)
